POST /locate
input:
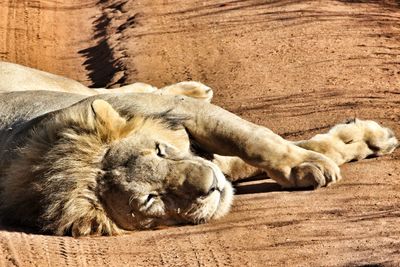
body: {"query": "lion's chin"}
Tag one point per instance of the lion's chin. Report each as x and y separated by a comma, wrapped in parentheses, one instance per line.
(225, 201)
(212, 207)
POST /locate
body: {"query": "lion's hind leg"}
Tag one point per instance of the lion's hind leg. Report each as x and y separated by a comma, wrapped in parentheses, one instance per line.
(190, 89)
(235, 168)
(354, 140)
(130, 88)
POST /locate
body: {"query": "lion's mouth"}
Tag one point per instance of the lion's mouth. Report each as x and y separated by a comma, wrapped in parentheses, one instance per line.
(204, 209)
(201, 209)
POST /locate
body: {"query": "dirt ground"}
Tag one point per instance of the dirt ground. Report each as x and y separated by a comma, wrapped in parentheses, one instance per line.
(295, 66)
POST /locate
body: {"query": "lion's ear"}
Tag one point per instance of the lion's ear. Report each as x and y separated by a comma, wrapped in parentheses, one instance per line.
(107, 116)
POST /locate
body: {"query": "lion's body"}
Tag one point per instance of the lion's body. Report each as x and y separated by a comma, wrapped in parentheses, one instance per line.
(106, 163)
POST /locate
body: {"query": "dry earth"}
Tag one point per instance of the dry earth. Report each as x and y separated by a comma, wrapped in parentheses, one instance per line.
(297, 67)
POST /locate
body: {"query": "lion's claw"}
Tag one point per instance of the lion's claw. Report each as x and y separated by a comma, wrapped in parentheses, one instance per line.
(315, 173)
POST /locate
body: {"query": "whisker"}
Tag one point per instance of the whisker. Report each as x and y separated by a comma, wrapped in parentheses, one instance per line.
(131, 198)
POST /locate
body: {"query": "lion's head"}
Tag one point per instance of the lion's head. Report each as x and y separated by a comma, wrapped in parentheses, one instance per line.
(97, 172)
(150, 177)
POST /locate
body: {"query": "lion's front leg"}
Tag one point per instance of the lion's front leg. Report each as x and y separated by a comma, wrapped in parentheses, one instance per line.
(223, 133)
(307, 174)
(354, 140)
(315, 172)
(294, 168)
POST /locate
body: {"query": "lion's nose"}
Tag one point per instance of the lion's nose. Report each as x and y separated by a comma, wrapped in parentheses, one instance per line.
(202, 181)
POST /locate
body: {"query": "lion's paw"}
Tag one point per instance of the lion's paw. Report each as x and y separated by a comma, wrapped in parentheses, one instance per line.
(379, 140)
(190, 89)
(317, 172)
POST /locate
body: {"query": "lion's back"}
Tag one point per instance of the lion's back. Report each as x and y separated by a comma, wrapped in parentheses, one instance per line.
(16, 77)
(27, 105)
(18, 111)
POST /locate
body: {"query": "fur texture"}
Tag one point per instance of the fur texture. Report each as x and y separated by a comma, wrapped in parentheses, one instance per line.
(107, 164)
(62, 169)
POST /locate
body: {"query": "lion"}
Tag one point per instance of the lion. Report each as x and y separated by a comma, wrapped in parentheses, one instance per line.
(81, 164)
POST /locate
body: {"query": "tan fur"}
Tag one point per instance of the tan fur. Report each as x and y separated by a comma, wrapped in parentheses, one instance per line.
(351, 141)
(63, 161)
(107, 164)
(15, 77)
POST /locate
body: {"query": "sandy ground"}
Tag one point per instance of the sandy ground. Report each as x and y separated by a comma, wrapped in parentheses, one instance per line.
(297, 67)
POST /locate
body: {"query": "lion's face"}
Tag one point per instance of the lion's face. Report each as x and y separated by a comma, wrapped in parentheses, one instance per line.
(151, 178)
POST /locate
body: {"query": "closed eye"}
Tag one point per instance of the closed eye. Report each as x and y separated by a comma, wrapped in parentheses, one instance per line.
(160, 149)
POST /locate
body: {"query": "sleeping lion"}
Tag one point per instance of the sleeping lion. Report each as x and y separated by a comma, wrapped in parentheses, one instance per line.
(82, 161)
